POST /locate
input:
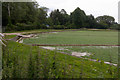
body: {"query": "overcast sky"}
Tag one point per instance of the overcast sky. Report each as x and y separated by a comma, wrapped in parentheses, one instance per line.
(94, 7)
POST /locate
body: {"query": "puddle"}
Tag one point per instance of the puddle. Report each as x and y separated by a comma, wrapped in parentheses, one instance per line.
(110, 63)
(104, 47)
(79, 54)
(49, 32)
(53, 32)
(53, 48)
(50, 48)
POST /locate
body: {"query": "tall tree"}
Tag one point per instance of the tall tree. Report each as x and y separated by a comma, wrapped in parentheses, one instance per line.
(16, 12)
(90, 21)
(41, 17)
(78, 17)
(55, 16)
(19, 12)
(64, 17)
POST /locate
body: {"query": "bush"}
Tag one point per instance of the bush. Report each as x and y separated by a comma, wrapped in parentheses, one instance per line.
(40, 26)
(70, 26)
(10, 27)
(23, 26)
(101, 26)
(58, 27)
(115, 26)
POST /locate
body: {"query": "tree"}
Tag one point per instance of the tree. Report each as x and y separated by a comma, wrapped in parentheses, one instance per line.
(6, 7)
(90, 21)
(41, 18)
(55, 16)
(64, 17)
(19, 12)
(108, 20)
(78, 17)
(31, 12)
(15, 12)
(49, 22)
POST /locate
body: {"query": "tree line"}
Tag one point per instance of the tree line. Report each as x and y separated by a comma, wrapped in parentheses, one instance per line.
(18, 16)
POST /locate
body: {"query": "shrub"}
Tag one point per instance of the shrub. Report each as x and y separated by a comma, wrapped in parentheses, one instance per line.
(71, 26)
(59, 27)
(115, 26)
(10, 27)
(23, 26)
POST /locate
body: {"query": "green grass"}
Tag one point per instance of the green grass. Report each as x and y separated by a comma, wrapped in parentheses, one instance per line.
(109, 54)
(9, 36)
(83, 37)
(76, 37)
(23, 61)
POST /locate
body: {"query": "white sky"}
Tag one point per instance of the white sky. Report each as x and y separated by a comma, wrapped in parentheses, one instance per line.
(94, 7)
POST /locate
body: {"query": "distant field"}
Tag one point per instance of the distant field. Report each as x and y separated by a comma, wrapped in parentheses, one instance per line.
(83, 37)
(76, 37)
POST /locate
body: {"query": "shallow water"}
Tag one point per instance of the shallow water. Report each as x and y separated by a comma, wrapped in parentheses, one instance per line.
(79, 54)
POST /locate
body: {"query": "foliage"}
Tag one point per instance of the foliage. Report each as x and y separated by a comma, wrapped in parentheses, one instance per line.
(90, 22)
(41, 18)
(115, 26)
(23, 61)
(31, 16)
(105, 20)
(59, 17)
(23, 26)
(22, 16)
(78, 17)
(59, 27)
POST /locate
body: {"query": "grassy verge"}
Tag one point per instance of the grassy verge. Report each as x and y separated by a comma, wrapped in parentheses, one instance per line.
(23, 61)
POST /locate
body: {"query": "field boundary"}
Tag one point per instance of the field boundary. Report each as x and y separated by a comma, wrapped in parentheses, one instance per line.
(71, 45)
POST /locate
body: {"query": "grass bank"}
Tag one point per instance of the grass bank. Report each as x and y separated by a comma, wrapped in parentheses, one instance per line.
(23, 61)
